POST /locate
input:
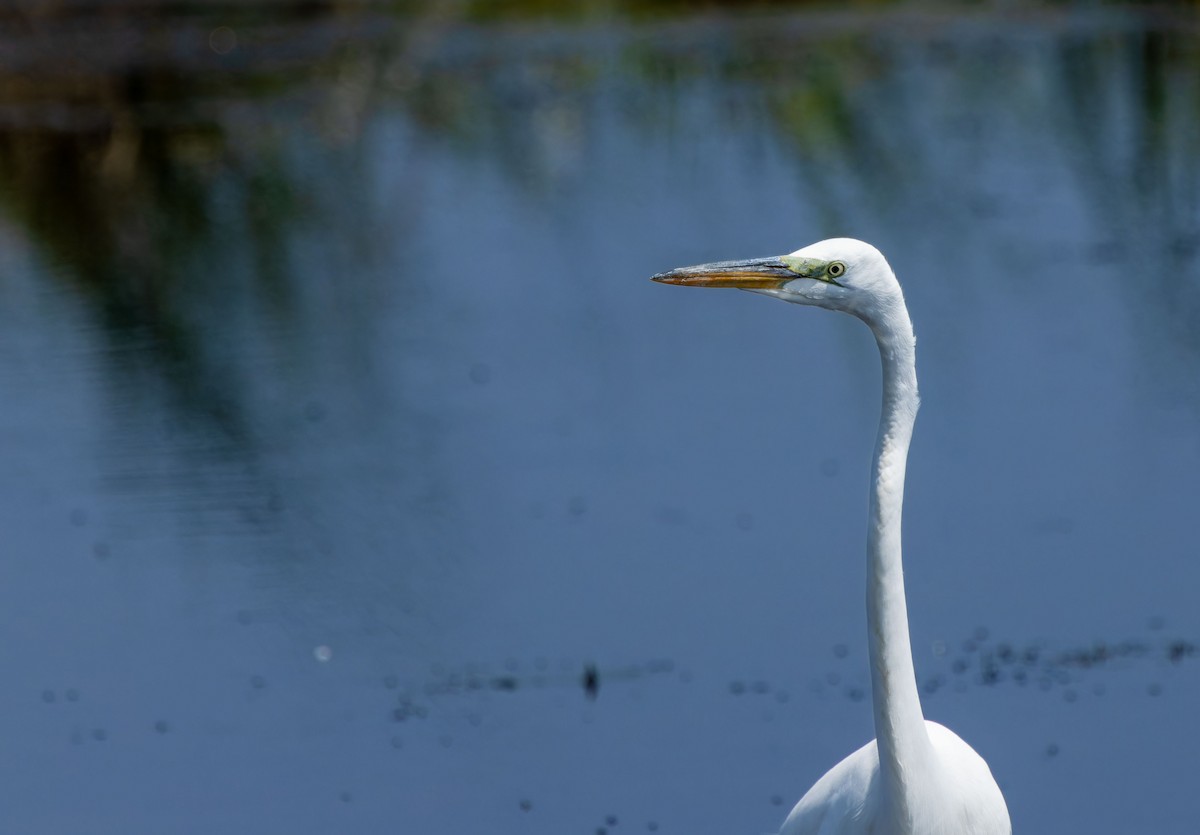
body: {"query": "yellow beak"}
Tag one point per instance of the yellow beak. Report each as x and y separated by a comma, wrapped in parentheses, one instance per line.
(754, 274)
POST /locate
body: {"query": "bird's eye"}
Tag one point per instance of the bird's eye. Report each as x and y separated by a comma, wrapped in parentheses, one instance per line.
(836, 269)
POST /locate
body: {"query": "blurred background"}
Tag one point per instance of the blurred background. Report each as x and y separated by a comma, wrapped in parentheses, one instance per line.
(355, 478)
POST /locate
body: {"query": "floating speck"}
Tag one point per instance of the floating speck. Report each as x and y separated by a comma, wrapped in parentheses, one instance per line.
(526, 805)
(1051, 750)
(1155, 689)
(99, 734)
(48, 696)
(840, 650)
(737, 688)
(776, 800)
(1178, 650)
(591, 681)
(344, 797)
(504, 683)
(72, 694)
(611, 820)
(258, 682)
(161, 727)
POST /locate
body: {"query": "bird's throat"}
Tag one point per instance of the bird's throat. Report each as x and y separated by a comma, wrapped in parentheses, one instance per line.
(900, 730)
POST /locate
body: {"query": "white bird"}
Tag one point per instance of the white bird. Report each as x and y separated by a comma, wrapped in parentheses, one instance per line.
(916, 777)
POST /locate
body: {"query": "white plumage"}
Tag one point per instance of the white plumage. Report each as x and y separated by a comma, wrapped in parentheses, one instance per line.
(916, 777)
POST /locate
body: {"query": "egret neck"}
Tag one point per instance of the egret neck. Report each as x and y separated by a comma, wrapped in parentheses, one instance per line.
(904, 747)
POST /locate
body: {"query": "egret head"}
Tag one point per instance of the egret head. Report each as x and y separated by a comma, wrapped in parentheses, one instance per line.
(838, 274)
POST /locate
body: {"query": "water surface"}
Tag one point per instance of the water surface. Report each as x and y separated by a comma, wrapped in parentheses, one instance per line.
(358, 480)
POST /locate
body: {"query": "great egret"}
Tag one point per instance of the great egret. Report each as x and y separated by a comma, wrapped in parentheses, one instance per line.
(916, 777)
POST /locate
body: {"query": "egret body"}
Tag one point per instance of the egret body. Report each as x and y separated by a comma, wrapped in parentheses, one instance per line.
(916, 777)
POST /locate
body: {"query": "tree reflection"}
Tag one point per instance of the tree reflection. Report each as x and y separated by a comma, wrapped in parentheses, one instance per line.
(172, 168)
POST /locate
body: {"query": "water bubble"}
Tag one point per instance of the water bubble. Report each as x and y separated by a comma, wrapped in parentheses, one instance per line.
(222, 40)
(323, 653)
(480, 373)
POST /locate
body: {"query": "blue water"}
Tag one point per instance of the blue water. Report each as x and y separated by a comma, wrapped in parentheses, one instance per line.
(365, 442)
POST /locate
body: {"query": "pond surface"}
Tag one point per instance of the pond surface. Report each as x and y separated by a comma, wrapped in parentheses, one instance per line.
(358, 480)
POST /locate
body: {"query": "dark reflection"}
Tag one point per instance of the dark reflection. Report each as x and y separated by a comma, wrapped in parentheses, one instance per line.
(1129, 108)
(132, 177)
